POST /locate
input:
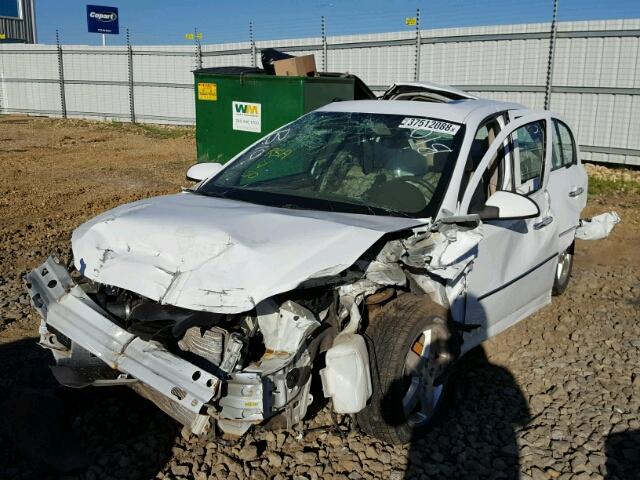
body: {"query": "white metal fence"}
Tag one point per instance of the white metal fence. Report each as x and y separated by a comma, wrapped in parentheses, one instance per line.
(595, 81)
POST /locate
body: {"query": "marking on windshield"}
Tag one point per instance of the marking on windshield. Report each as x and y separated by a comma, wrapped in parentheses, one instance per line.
(437, 126)
(278, 152)
(428, 142)
(277, 136)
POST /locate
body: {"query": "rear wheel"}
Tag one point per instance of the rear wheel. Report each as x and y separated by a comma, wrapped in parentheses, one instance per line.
(563, 271)
(411, 350)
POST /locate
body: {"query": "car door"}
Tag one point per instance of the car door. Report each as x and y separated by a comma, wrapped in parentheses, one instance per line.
(567, 183)
(513, 273)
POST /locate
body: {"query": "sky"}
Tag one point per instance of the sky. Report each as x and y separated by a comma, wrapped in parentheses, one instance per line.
(167, 21)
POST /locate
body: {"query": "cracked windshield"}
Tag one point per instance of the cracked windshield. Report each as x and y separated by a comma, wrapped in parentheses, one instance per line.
(351, 162)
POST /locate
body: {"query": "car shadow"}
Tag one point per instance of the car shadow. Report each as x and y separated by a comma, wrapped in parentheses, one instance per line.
(48, 431)
(476, 437)
(622, 451)
(475, 434)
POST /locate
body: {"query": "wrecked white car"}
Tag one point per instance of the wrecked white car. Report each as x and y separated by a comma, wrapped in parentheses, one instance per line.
(368, 245)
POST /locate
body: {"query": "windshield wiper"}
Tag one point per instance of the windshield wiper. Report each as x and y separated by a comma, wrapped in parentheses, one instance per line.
(292, 206)
(222, 194)
(373, 208)
(393, 211)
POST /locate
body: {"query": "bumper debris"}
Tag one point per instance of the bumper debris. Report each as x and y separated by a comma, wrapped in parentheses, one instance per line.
(598, 227)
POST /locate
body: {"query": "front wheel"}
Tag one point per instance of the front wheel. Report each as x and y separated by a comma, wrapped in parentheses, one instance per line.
(411, 349)
(563, 271)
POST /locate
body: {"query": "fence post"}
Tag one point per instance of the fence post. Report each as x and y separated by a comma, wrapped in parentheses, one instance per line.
(418, 43)
(323, 29)
(552, 54)
(253, 44)
(63, 100)
(198, 50)
(132, 106)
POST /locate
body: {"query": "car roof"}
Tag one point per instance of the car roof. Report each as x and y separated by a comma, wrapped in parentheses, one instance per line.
(459, 111)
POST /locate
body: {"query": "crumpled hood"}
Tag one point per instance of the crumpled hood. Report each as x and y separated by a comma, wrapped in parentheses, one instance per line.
(220, 255)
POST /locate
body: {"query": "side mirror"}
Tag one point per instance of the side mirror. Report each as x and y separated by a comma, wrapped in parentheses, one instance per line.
(509, 206)
(200, 171)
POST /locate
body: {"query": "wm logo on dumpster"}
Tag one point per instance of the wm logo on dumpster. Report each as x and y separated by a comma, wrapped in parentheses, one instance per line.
(247, 108)
(247, 117)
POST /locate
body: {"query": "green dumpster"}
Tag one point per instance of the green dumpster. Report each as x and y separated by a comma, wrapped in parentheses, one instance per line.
(233, 110)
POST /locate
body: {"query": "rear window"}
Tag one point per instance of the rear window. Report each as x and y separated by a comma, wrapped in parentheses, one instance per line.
(564, 148)
(530, 148)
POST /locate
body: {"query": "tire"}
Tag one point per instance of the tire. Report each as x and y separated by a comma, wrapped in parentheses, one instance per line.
(563, 271)
(391, 340)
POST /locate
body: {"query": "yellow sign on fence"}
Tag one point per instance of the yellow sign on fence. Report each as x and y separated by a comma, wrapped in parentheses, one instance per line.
(208, 91)
(192, 36)
(411, 21)
(3, 36)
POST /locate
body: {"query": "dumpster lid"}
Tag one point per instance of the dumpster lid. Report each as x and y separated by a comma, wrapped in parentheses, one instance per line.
(361, 90)
(231, 70)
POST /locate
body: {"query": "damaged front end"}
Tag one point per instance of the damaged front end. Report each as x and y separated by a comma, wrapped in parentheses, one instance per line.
(235, 370)
(230, 371)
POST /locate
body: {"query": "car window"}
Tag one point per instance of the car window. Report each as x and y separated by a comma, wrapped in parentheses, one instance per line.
(517, 167)
(564, 149)
(556, 150)
(529, 151)
(356, 162)
(481, 142)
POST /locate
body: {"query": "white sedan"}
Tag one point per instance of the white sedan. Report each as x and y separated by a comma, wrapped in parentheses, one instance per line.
(369, 244)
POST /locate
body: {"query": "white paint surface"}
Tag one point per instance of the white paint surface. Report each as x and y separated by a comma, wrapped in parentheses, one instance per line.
(598, 227)
(220, 255)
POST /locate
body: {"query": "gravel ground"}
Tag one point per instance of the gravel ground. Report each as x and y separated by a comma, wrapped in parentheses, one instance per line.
(556, 396)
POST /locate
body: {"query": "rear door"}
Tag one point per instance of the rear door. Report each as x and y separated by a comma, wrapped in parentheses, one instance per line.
(513, 273)
(567, 183)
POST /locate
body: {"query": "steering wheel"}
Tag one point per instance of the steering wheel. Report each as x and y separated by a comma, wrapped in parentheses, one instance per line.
(421, 181)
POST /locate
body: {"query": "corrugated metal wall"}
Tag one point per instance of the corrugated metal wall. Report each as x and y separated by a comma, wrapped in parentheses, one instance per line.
(22, 30)
(595, 82)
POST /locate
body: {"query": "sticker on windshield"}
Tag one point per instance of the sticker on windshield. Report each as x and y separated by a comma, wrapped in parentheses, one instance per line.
(430, 125)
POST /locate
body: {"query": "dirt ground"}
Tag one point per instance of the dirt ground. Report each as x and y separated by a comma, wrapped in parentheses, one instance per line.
(557, 396)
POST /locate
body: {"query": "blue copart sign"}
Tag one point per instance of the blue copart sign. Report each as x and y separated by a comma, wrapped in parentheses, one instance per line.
(101, 19)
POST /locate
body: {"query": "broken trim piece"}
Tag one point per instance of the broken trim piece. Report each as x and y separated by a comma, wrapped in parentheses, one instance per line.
(598, 227)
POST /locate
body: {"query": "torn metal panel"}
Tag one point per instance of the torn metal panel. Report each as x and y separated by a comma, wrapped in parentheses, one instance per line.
(445, 252)
(381, 272)
(448, 254)
(597, 227)
(454, 249)
(284, 329)
(193, 251)
(438, 256)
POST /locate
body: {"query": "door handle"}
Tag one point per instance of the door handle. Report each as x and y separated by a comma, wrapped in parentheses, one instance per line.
(576, 191)
(543, 223)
